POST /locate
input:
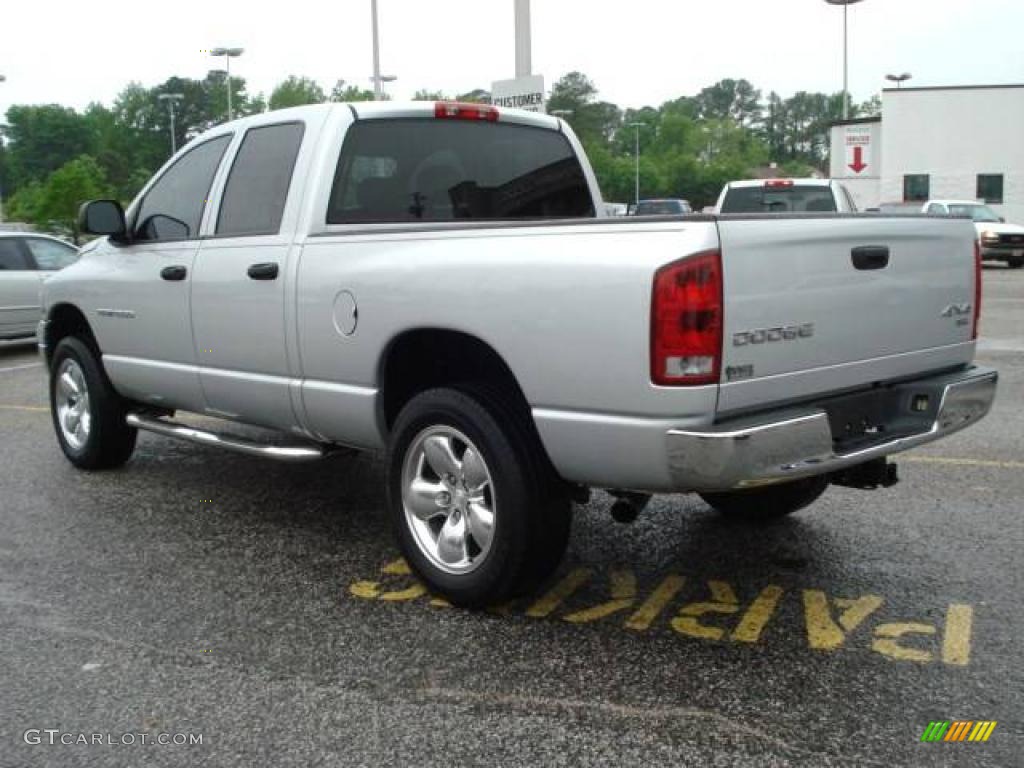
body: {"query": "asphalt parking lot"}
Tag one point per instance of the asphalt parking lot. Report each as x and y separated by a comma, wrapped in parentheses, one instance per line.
(262, 607)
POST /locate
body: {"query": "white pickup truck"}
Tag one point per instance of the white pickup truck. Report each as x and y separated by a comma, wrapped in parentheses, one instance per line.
(785, 196)
(434, 279)
(999, 241)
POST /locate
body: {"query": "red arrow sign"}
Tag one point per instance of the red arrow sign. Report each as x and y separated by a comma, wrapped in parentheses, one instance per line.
(858, 163)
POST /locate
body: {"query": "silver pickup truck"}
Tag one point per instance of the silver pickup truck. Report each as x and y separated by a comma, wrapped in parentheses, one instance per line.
(435, 280)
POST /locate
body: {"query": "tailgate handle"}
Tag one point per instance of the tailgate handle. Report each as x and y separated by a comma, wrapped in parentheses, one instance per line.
(870, 257)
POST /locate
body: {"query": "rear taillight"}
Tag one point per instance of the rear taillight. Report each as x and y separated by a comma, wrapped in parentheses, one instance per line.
(977, 288)
(454, 110)
(686, 321)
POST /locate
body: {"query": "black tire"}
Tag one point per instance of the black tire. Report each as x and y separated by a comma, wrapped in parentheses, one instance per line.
(109, 442)
(769, 503)
(532, 511)
(1015, 263)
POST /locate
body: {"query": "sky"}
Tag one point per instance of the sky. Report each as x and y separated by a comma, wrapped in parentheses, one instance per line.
(639, 52)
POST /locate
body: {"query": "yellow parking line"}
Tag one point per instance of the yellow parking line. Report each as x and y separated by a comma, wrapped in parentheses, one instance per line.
(963, 462)
(33, 408)
(656, 603)
(558, 593)
(956, 645)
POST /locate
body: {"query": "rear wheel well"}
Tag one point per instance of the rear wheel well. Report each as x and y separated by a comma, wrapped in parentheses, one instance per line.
(424, 359)
(68, 320)
(429, 358)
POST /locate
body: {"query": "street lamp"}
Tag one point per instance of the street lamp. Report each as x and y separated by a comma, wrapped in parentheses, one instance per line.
(378, 79)
(846, 54)
(565, 114)
(228, 54)
(2, 79)
(170, 99)
(637, 126)
(899, 79)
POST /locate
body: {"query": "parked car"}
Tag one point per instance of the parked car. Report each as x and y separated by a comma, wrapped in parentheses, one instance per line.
(616, 209)
(25, 260)
(900, 208)
(998, 240)
(785, 196)
(434, 280)
(662, 207)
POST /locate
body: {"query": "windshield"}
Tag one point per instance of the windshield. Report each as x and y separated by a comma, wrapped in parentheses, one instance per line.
(976, 212)
(795, 199)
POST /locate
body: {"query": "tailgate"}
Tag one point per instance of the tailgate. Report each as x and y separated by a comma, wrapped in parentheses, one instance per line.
(812, 306)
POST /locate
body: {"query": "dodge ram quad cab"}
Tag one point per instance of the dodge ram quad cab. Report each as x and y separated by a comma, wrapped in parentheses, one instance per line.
(436, 280)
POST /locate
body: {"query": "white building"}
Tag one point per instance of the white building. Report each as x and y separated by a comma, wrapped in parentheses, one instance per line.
(962, 142)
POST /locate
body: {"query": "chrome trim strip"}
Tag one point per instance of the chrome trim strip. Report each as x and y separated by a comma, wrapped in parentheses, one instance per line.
(262, 378)
(18, 309)
(797, 445)
(292, 454)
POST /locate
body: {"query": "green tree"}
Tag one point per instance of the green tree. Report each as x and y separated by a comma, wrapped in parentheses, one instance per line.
(729, 99)
(40, 140)
(870, 108)
(345, 92)
(423, 94)
(576, 95)
(23, 204)
(476, 96)
(295, 92)
(53, 205)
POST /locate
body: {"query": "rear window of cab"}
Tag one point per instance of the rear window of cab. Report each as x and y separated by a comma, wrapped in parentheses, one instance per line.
(423, 170)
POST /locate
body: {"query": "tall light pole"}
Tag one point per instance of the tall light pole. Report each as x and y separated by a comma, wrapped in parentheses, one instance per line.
(378, 79)
(524, 48)
(228, 54)
(846, 53)
(637, 126)
(2, 79)
(899, 79)
(170, 99)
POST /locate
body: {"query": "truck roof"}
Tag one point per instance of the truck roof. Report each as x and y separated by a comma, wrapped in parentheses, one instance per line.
(763, 182)
(370, 110)
(375, 110)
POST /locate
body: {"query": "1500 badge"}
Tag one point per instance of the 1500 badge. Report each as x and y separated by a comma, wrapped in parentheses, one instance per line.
(771, 335)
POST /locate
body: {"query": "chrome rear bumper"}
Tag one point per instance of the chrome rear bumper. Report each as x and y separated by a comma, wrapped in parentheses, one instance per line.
(781, 446)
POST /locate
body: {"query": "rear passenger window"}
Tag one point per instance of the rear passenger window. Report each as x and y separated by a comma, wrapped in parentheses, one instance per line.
(445, 170)
(49, 255)
(257, 187)
(11, 255)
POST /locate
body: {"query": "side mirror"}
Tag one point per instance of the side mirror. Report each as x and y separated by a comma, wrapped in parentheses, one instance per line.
(101, 217)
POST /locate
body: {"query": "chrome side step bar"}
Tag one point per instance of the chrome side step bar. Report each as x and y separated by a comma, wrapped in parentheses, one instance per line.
(289, 453)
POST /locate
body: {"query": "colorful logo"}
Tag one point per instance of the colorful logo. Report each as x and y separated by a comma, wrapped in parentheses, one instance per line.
(958, 730)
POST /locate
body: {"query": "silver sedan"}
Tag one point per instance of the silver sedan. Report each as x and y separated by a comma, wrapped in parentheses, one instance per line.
(26, 259)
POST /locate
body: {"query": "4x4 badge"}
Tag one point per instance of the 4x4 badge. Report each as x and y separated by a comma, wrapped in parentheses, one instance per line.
(954, 310)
